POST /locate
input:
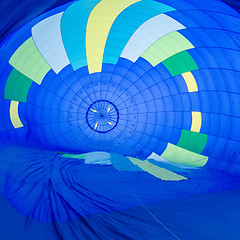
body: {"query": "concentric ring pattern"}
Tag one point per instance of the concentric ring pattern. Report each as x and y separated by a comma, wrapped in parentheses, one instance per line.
(109, 108)
(166, 73)
(102, 116)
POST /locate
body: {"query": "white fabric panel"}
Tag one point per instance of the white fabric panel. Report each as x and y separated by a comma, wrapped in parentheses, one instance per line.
(148, 33)
(156, 157)
(48, 39)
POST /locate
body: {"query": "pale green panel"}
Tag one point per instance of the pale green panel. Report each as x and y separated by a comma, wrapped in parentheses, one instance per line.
(28, 60)
(77, 156)
(166, 47)
(179, 155)
(156, 171)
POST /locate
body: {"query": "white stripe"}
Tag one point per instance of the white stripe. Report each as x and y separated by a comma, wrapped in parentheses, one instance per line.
(48, 39)
(148, 33)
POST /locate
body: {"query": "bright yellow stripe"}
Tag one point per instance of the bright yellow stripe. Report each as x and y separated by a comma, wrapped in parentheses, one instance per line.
(98, 27)
(156, 171)
(190, 81)
(16, 122)
(196, 121)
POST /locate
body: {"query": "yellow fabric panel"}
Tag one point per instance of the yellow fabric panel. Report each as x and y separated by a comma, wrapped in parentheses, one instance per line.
(196, 122)
(156, 171)
(16, 122)
(98, 27)
(190, 81)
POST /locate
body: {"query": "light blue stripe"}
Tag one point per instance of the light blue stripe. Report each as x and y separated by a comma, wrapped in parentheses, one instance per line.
(127, 23)
(47, 37)
(73, 28)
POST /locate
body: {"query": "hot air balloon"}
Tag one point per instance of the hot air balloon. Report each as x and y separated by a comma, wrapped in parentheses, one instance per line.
(120, 120)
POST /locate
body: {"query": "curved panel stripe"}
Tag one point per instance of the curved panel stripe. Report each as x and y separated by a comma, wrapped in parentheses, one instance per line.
(192, 141)
(156, 171)
(180, 63)
(98, 27)
(28, 60)
(77, 156)
(196, 122)
(179, 155)
(190, 81)
(16, 122)
(166, 47)
(127, 23)
(48, 39)
(73, 29)
(17, 86)
(149, 34)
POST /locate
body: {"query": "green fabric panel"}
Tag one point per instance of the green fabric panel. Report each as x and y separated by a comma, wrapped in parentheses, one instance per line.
(17, 86)
(166, 47)
(156, 171)
(192, 141)
(28, 60)
(78, 156)
(180, 63)
(179, 155)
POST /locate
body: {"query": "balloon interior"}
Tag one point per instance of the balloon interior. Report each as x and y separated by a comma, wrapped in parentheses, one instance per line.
(120, 119)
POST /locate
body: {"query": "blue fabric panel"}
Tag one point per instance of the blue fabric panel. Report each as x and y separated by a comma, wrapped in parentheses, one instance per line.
(234, 100)
(233, 155)
(222, 130)
(5, 121)
(152, 78)
(144, 64)
(12, 20)
(235, 131)
(204, 58)
(50, 81)
(222, 38)
(18, 39)
(235, 36)
(179, 5)
(201, 76)
(23, 34)
(215, 146)
(231, 56)
(232, 23)
(217, 6)
(184, 18)
(232, 86)
(200, 101)
(163, 71)
(204, 20)
(5, 70)
(121, 163)
(194, 36)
